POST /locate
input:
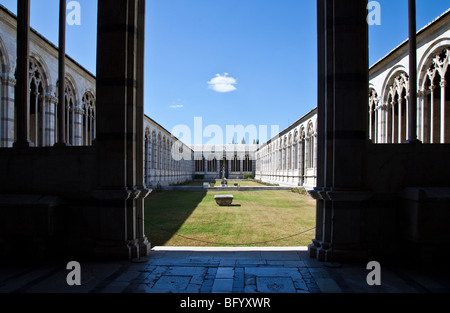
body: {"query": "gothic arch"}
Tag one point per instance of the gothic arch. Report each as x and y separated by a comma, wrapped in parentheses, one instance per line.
(38, 84)
(433, 102)
(89, 115)
(5, 66)
(147, 154)
(395, 99)
(43, 65)
(7, 88)
(427, 59)
(373, 114)
(310, 145)
(394, 72)
(70, 106)
(154, 159)
(159, 152)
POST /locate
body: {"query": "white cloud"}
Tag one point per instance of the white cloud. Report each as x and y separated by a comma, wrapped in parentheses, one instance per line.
(222, 83)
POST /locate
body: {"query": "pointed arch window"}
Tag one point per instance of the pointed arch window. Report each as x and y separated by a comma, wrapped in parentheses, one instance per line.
(36, 104)
(69, 101)
(248, 164)
(88, 119)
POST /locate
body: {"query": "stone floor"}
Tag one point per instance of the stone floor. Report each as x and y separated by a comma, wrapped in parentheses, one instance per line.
(221, 270)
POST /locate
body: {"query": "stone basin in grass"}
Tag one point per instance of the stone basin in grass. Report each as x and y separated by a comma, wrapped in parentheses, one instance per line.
(224, 200)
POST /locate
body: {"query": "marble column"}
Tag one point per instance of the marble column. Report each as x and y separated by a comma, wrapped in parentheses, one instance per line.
(411, 108)
(443, 83)
(8, 83)
(78, 126)
(399, 104)
(50, 104)
(431, 117)
(22, 84)
(61, 136)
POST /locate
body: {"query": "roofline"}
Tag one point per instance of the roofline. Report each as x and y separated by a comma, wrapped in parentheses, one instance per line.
(47, 42)
(296, 123)
(159, 125)
(405, 42)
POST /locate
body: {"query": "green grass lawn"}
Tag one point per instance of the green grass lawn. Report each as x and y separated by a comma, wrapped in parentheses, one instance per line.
(256, 218)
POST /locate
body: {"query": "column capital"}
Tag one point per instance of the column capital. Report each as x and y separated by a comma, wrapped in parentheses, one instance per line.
(443, 83)
(50, 97)
(8, 78)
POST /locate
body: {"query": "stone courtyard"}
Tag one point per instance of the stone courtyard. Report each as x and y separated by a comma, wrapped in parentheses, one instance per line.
(223, 271)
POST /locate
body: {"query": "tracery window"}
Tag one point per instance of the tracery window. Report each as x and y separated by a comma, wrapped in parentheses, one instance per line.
(212, 165)
(435, 105)
(235, 164)
(69, 101)
(248, 164)
(36, 104)
(310, 147)
(89, 119)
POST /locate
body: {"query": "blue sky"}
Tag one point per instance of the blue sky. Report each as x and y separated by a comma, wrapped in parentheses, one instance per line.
(248, 62)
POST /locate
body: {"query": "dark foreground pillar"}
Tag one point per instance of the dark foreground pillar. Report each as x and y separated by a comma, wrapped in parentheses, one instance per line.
(120, 189)
(342, 132)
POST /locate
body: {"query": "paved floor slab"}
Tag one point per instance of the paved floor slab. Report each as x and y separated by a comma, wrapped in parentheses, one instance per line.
(275, 285)
(223, 270)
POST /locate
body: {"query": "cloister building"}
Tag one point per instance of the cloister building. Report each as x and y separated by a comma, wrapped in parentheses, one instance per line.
(80, 170)
(164, 164)
(232, 161)
(167, 160)
(290, 158)
(79, 97)
(389, 88)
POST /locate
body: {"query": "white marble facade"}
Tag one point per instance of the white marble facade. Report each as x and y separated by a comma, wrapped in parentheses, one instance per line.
(236, 161)
(389, 88)
(167, 161)
(290, 158)
(79, 95)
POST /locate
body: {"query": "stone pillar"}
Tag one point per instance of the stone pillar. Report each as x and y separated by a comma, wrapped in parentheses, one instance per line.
(142, 241)
(50, 103)
(78, 125)
(343, 131)
(218, 172)
(443, 84)
(421, 116)
(432, 113)
(119, 89)
(61, 137)
(412, 103)
(22, 84)
(399, 104)
(386, 123)
(8, 83)
(241, 166)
